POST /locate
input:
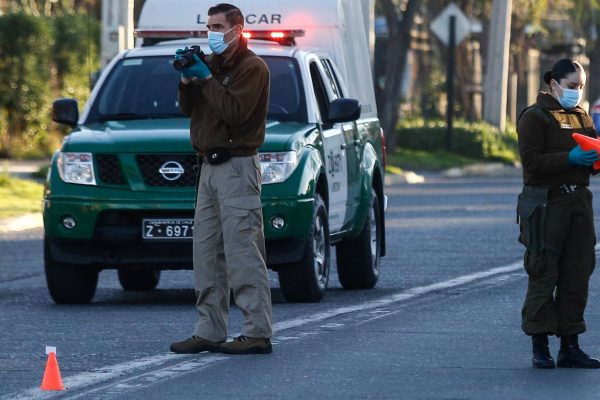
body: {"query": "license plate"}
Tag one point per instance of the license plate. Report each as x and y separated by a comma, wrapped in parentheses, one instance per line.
(168, 228)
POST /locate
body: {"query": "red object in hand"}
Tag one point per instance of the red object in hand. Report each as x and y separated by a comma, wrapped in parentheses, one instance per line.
(588, 143)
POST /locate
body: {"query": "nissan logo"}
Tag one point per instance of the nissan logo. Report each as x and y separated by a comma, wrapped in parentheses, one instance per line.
(171, 170)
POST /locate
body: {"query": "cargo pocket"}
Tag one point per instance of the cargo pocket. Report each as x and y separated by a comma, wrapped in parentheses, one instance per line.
(532, 217)
(237, 213)
(534, 264)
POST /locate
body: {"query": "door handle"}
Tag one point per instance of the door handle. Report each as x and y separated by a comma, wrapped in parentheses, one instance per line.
(343, 146)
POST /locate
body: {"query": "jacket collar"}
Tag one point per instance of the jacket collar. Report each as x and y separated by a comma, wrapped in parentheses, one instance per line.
(549, 102)
(220, 63)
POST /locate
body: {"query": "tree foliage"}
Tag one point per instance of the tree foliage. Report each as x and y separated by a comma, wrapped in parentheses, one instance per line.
(42, 58)
(24, 72)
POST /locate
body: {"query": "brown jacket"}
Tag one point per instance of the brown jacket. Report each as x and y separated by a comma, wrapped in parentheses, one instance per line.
(545, 141)
(229, 110)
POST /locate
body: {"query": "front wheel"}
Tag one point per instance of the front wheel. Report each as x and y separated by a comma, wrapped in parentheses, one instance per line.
(358, 259)
(306, 281)
(68, 283)
(138, 280)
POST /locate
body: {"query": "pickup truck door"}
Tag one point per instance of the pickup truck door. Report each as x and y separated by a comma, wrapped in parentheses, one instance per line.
(354, 144)
(334, 147)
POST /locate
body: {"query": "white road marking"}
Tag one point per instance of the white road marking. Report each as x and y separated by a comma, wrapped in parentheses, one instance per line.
(92, 378)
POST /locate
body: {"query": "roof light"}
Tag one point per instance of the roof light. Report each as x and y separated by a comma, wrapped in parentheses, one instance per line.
(156, 35)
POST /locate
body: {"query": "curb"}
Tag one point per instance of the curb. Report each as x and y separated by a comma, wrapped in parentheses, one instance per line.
(21, 223)
(408, 177)
(483, 169)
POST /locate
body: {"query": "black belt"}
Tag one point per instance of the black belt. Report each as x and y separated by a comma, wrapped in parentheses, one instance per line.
(218, 156)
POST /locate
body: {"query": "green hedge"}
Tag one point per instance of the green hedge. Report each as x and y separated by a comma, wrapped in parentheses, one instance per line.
(477, 140)
(43, 58)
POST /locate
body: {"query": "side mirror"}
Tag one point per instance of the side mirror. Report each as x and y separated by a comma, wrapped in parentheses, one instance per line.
(65, 111)
(343, 110)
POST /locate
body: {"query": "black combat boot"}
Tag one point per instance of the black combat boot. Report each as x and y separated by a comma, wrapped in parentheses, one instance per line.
(571, 356)
(541, 354)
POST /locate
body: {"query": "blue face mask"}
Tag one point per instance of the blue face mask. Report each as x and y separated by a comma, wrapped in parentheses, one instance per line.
(216, 41)
(570, 98)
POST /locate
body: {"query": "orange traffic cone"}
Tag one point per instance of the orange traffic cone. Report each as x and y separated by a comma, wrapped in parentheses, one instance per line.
(52, 379)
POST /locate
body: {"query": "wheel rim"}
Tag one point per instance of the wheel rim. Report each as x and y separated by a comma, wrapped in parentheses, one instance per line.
(374, 244)
(320, 252)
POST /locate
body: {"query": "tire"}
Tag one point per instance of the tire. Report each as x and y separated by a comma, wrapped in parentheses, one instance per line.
(306, 281)
(138, 280)
(358, 259)
(68, 283)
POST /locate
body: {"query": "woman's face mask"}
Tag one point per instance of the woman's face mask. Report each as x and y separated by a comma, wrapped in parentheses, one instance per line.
(216, 41)
(570, 98)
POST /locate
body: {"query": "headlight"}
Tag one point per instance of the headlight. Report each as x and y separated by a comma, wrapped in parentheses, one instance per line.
(76, 168)
(277, 167)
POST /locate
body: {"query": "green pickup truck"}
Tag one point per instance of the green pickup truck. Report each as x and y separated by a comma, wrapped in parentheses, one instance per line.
(120, 192)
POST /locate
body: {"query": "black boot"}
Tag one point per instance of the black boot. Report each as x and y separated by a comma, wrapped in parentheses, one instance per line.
(541, 354)
(571, 356)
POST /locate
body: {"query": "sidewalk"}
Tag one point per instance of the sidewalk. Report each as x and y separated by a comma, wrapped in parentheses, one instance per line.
(495, 169)
(22, 169)
(21, 223)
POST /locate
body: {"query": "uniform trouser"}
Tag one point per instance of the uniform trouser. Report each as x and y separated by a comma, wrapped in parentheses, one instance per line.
(559, 276)
(229, 249)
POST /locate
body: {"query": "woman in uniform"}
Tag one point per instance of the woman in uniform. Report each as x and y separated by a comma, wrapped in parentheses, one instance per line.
(556, 217)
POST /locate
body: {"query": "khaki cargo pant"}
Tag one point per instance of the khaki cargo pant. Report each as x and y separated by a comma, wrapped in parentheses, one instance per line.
(559, 276)
(229, 249)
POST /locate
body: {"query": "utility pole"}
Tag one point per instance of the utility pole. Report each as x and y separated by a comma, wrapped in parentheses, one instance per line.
(450, 82)
(496, 80)
(117, 28)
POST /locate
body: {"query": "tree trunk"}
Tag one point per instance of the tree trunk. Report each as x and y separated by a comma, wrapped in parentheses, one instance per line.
(594, 73)
(398, 44)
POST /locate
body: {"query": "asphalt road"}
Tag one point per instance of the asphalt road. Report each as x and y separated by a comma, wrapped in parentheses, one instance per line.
(442, 323)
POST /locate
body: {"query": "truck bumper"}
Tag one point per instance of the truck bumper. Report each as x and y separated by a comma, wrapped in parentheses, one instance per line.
(109, 235)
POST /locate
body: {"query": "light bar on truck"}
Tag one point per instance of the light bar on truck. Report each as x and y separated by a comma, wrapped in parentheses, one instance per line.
(283, 37)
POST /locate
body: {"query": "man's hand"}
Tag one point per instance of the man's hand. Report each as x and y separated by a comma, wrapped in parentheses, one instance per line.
(578, 156)
(197, 70)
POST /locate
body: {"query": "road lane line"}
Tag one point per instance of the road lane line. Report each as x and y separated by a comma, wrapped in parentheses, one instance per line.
(96, 377)
(397, 298)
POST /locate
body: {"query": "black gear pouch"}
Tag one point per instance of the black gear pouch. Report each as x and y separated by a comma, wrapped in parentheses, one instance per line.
(217, 156)
(531, 217)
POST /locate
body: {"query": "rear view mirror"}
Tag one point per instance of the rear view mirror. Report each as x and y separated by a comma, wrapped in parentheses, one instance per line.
(343, 110)
(65, 111)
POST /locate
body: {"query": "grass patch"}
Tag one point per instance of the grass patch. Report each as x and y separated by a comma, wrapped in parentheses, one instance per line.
(473, 141)
(19, 196)
(435, 160)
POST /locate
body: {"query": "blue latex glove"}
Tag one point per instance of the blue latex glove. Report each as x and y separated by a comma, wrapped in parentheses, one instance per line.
(578, 156)
(179, 52)
(197, 70)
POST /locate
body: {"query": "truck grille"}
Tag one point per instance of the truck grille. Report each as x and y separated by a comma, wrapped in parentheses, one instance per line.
(109, 169)
(167, 170)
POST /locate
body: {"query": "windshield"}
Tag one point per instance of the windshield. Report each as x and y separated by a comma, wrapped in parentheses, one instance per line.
(142, 88)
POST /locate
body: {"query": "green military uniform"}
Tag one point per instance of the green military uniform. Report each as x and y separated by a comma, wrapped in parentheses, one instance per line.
(556, 219)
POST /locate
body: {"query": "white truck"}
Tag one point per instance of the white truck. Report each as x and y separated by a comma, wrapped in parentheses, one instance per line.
(121, 189)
